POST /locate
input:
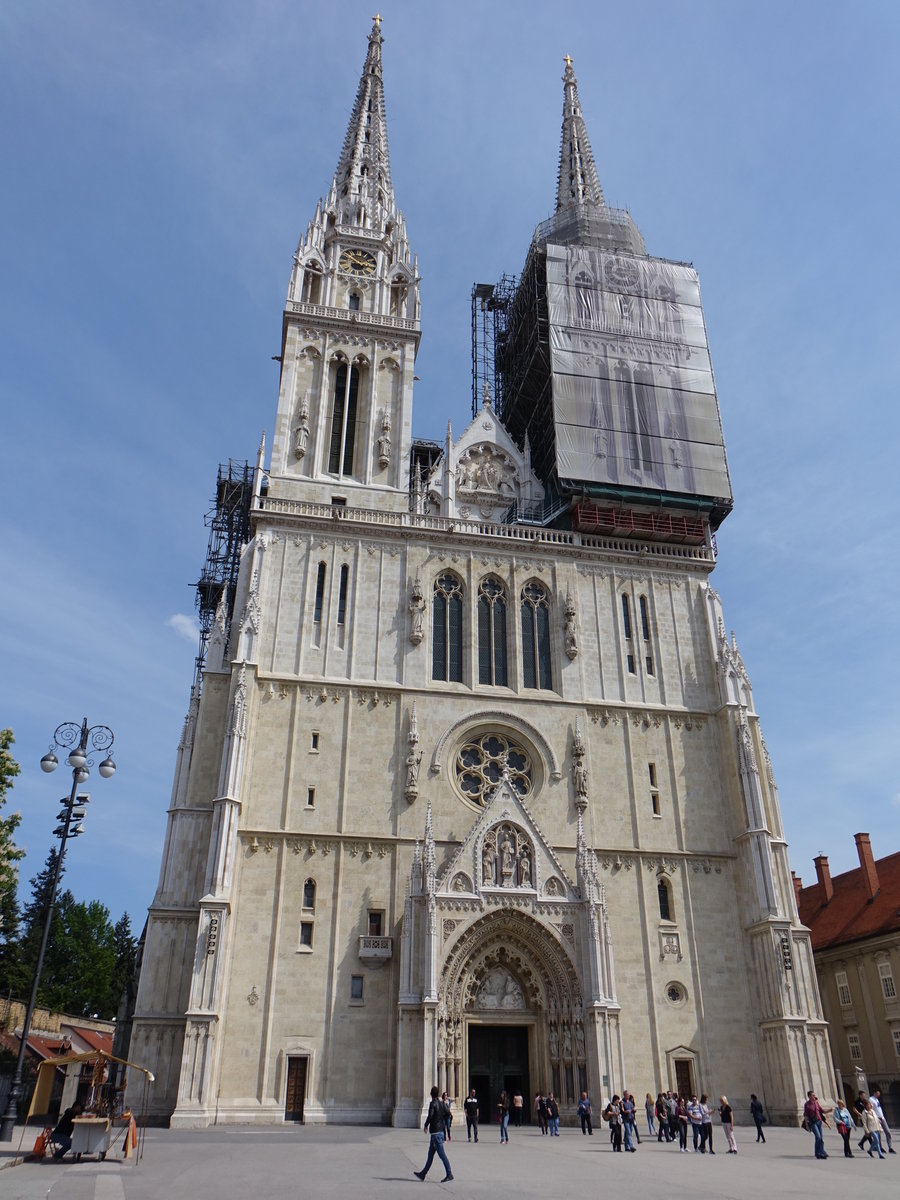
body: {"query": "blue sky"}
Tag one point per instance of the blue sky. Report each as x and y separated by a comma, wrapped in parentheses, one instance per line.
(159, 164)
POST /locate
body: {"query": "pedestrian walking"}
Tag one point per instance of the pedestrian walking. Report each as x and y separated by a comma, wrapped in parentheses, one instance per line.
(585, 1112)
(650, 1109)
(814, 1116)
(503, 1112)
(470, 1108)
(435, 1123)
(540, 1109)
(756, 1112)
(518, 1105)
(859, 1107)
(844, 1124)
(886, 1139)
(726, 1113)
(872, 1127)
(552, 1115)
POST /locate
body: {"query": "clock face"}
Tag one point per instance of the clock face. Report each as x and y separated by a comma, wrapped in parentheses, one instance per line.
(357, 262)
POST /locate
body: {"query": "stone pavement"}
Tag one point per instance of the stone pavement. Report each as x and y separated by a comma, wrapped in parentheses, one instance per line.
(346, 1163)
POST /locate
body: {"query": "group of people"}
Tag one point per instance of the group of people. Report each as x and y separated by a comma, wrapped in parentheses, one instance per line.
(864, 1113)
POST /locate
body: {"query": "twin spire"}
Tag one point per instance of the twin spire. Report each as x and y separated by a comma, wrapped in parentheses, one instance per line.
(364, 168)
(577, 182)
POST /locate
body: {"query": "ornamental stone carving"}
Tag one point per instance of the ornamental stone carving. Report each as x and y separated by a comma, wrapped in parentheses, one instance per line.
(384, 440)
(507, 858)
(416, 613)
(500, 990)
(301, 437)
(571, 635)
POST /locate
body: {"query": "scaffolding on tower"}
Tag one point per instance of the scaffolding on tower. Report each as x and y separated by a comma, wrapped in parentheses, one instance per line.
(490, 305)
(229, 531)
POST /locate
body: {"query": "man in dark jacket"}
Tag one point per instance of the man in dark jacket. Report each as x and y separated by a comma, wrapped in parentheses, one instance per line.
(62, 1134)
(435, 1124)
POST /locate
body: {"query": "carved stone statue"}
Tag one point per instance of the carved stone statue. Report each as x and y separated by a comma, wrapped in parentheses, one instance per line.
(507, 861)
(579, 1040)
(554, 1044)
(524, 869)
(384, 441)
(571, 635)
(441, 1040)
(488, 865)
(412, 770)
(579, 772)
(301, 437)
(567, 1042)
(417, 613)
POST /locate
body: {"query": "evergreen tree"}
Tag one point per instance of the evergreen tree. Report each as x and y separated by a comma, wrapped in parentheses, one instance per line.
(126, 955)
(81, 959)
(9, 852)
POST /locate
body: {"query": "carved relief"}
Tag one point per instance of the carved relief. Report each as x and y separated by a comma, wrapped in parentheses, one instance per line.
(507, 858)
(571, 635)
(301, 437)
(417, 613)
(500, 990)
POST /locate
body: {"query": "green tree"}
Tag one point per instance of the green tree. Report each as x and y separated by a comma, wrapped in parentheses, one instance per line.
(9, 874)
(81, 959)
(126, 954)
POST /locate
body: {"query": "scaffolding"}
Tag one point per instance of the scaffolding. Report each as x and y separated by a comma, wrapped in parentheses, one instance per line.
(490, 305)
(229, 531)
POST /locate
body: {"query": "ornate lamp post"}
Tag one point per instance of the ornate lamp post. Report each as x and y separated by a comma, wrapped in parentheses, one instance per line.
(80, 741)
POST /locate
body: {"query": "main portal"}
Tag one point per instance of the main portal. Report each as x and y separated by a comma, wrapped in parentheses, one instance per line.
(498, 1062)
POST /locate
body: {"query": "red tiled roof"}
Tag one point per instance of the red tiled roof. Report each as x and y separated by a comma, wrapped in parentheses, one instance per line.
(49, 1045)
(850, 915)
(93, 1037)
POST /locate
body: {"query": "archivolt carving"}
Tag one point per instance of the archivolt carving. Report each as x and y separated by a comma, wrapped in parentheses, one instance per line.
(512, 945)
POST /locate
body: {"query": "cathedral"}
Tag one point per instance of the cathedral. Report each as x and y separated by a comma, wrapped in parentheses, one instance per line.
(472, 790)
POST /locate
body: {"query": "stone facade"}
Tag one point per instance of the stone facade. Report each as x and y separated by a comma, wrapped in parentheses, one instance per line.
(381, 871)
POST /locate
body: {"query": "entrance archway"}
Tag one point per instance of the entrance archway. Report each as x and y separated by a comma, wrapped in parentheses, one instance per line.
(510, 1013)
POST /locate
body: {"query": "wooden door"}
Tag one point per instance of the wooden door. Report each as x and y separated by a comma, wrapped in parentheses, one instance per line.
(296, 1089)
(684, 1077)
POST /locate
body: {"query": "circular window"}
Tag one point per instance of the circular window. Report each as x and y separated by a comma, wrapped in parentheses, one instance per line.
(480, 765)
(675, 993)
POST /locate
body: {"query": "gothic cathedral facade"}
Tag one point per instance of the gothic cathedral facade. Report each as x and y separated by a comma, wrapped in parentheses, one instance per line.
(472, 790)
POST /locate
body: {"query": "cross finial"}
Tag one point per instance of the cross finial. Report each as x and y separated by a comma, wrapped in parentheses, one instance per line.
(377, 19)
(567, 59)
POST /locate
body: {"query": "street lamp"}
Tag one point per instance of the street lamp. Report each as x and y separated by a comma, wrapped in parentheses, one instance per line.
(80, 741)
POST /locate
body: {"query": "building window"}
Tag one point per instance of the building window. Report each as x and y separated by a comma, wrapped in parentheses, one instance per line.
(342, 595)
(375, 922)
(896, 1036)
(356, 987)
(306, 935)
(314, 742)
(481, 762)
(320, 593)
(447, 655)
(887, 981)
(665, 900)
(492, 633)
(310, 797)
(309, 895)
(843, 989)
(312, 284)
(343, 420)
(855, 1048)
(535, 637)
(353, 301)
(654, 791)
(627, 629)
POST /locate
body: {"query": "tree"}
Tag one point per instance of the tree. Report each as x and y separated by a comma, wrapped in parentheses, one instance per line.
(9, 856)
(81, 959)
(126, 954)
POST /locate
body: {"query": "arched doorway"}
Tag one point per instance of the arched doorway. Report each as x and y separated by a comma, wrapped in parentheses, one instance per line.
(510, 1015)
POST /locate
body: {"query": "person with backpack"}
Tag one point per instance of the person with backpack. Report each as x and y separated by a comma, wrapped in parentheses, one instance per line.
(585, 1112)
(435, 1124)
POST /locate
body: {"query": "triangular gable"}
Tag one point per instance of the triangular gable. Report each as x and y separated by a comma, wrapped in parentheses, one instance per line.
(505, 853)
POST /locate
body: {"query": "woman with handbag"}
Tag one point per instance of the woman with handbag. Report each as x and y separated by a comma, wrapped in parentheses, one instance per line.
(845, 1125)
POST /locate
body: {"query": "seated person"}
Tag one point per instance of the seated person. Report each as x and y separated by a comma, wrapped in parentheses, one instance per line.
(62, 1134)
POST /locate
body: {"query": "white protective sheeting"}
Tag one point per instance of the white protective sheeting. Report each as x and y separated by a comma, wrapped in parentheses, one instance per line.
(633, 394)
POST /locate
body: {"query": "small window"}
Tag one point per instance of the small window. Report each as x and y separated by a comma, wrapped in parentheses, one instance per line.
(843, 989)
(310, 797)
(338, 501)
(314, 745)
(648, 661)
(631, 670)
(654, 800)
(376, 922)
(356, 987)
(309, 894)
(654, 794)
(342, 595)
(887, 981)
(855, 1048)
(626, 618)
(320, 592)
(665, 900)
(651, 768)
(306, 934)
(353, 301)
(645, 618)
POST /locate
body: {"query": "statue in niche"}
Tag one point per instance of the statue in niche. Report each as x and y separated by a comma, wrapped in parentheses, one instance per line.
(384, 441)
(441, 1040)
(579, 1039)
(524, 868)
(417, 613)
(580, 774)
(507, 861)
(465, 477)
(571, 636)
(554, 1044)
(488, 865)
(412, 770)
(301, 438)
(457, 1042)
(567, 1042)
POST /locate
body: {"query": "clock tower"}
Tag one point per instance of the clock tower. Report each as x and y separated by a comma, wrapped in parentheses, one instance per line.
(351, 329)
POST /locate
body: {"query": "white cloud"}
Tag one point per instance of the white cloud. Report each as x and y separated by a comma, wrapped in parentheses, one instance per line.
(186, 627)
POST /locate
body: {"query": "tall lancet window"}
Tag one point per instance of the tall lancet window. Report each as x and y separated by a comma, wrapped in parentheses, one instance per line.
(492, 633)
(343, 420)
(535, 637)
(446, 647)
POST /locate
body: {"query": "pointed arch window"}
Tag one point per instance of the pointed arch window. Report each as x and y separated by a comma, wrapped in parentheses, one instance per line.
(312, 284)
(492, 633)
(447, 654)
(535, 613)
(320, 592)
(665, 900)
(343, 420)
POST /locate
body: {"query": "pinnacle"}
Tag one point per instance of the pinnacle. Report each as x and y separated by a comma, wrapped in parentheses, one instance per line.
(577, 182)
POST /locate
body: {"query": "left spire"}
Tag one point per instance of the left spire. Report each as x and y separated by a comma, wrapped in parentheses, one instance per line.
(363, 172)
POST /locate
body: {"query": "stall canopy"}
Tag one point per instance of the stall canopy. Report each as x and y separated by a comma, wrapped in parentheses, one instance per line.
(40, 1098)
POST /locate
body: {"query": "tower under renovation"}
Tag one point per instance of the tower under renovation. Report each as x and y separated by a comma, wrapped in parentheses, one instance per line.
(472, 790)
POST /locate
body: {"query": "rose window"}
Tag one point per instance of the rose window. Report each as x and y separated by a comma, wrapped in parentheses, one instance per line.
(480, 765)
